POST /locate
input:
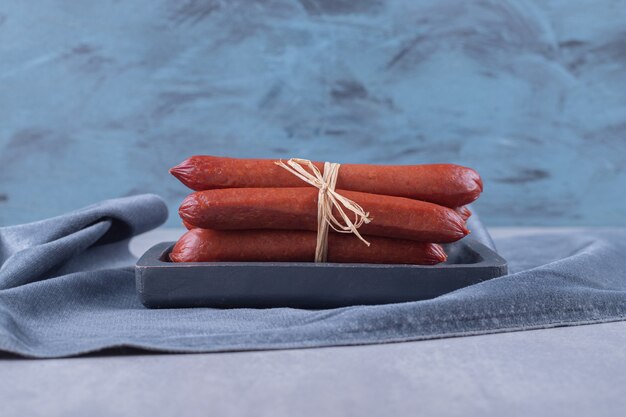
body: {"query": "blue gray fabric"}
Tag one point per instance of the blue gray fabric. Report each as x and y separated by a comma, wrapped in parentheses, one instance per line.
(67, 287)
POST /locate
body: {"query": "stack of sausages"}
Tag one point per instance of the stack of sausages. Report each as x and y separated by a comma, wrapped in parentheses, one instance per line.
(253, 210)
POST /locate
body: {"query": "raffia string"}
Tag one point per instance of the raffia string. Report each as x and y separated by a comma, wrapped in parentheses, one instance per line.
(327, 199)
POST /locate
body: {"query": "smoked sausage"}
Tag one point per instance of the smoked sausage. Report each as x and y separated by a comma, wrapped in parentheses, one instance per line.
(445, 184)
(296, 209)
(464, 212)
(188, 226)
(204, 245)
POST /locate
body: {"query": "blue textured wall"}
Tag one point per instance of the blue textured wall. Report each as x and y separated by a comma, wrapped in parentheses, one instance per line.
(99, 98)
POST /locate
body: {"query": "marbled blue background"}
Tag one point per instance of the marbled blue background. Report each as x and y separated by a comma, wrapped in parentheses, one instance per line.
(99, 98)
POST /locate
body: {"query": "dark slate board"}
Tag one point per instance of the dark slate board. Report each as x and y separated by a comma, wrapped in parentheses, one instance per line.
(164, 284)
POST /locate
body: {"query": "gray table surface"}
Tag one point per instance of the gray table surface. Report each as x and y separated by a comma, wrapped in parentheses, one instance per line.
(557, 372)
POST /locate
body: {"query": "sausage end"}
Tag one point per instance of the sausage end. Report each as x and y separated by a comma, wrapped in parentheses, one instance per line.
(185, 172)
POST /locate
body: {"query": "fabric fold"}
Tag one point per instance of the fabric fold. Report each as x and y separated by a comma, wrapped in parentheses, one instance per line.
(74, 241)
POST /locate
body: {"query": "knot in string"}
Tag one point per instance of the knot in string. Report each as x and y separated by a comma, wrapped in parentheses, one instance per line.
(327, 199)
